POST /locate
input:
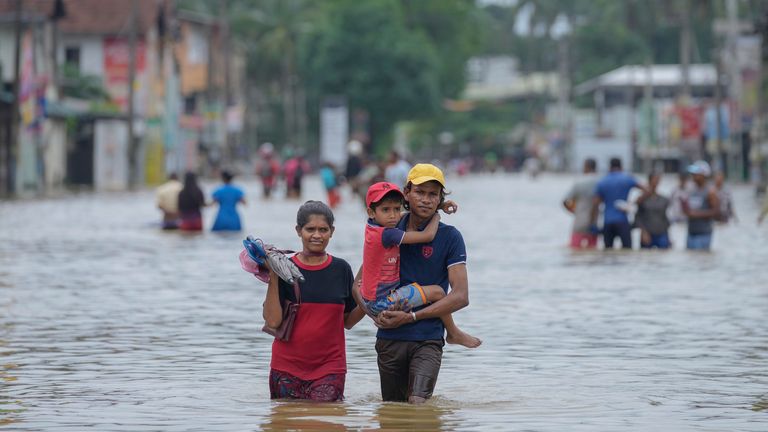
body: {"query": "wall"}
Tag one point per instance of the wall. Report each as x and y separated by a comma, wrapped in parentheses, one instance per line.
(55, 153)
(91, 53)
(7, 47)
(111, 155)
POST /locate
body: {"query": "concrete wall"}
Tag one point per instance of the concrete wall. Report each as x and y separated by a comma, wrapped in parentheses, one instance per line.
(7, 48)
(91, 53)
(55, 153)
(110, 155)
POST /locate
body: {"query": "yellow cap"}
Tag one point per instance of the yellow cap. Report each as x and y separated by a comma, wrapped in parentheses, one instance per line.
(421, 173)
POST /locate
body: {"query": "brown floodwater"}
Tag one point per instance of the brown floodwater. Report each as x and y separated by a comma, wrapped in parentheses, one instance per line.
(108, 323)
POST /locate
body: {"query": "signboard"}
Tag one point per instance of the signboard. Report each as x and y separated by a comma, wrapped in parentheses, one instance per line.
(334, 131)
(117, 70)
(110, 155)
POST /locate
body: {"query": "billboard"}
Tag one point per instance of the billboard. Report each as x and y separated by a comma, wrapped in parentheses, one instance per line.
(334, 130)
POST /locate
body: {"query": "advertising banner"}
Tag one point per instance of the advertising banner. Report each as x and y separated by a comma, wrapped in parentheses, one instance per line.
(334, 131)
(110, 155)
(117, 71)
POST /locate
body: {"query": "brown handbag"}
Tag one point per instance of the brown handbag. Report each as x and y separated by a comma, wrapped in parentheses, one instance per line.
(290, 310)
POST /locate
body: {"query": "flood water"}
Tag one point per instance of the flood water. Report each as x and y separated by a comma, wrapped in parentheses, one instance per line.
(107, 323)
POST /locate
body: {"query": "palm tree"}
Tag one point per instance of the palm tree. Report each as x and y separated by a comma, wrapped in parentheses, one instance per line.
(271, 30)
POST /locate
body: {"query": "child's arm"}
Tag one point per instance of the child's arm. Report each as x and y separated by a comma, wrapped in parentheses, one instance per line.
(449, 207)
(426, 236)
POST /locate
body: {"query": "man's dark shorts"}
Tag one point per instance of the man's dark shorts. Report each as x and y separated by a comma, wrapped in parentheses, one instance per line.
(408, 368)
(622, 230)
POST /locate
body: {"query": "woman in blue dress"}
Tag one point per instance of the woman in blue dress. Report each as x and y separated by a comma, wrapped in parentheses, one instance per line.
(227, 196)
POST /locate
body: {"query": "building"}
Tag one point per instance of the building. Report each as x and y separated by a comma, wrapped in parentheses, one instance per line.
(639, 116)
(76, 67)
(496, 78)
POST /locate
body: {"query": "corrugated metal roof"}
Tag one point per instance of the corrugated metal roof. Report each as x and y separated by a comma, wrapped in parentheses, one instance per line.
(667, 75)
(89, 16)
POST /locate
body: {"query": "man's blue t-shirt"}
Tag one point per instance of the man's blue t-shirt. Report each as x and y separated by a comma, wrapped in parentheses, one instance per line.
(227, 219)
(615, 186)
(427, 264)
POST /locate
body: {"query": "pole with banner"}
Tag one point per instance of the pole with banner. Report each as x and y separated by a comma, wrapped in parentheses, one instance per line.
(334, 130)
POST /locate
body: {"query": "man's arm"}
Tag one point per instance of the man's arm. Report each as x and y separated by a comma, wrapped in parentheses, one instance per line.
(644, 189)
(644, 196)
(595, 209)
(712, 212)
(457, 298)
(569, 205)
(764, 211)
(569, 202)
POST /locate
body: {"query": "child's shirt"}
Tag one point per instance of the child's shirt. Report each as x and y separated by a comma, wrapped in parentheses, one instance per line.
(381, 260)
(329, 178)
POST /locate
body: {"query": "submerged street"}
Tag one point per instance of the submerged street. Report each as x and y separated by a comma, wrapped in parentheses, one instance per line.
(109, 323)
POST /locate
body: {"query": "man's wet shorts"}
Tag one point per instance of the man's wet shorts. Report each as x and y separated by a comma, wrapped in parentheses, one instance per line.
(408, 368)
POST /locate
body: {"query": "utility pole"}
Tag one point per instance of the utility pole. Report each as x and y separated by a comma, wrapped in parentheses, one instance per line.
(13, 135)
(720, 158)
(563, 92)
(59, 12)
(734, 74)
(224, 19)
(685, 50)
(133, 175)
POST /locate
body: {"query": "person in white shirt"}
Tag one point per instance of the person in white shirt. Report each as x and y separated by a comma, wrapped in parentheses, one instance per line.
(167, 198)
(397, 169)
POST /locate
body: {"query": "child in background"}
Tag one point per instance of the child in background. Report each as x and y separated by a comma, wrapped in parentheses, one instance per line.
(330, 181)
(380, 286)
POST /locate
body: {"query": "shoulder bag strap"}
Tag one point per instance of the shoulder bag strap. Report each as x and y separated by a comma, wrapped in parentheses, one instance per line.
(297, 292)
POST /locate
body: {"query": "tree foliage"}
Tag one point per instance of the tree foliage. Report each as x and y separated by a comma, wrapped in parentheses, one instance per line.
(365, 52)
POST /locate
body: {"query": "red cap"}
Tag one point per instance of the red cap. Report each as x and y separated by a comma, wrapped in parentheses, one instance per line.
(377, 191)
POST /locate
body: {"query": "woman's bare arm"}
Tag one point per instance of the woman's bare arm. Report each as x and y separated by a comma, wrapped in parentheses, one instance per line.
(273, 310)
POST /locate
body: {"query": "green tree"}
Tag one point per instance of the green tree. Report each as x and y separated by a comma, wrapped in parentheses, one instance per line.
(455, 29)
(365, 52)
(272, 31)
(602, 47)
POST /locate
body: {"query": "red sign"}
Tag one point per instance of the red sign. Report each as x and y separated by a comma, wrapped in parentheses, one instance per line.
(117, 67)
(690, 121)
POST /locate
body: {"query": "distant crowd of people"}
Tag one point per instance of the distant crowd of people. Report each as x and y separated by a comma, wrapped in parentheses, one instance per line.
(359, 173)
(700, 200)
(182, 204)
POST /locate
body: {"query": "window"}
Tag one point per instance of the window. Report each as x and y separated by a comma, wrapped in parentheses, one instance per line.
(72, 56)
(190, 104)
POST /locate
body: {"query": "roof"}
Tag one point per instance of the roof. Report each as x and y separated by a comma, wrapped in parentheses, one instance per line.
(492, 70)
(542, 83)
(89, 16)
(667, 75)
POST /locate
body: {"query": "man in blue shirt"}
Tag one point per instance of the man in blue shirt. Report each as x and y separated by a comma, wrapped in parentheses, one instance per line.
(613, 190)
(409, 345)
